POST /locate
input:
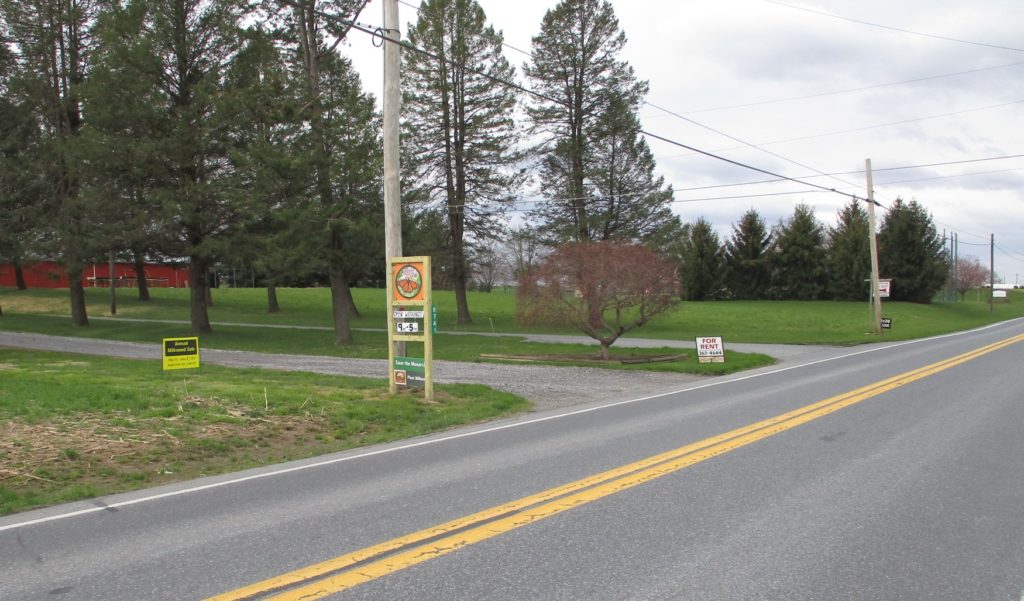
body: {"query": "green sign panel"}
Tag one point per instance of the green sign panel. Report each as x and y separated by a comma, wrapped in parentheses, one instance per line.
(410, 372)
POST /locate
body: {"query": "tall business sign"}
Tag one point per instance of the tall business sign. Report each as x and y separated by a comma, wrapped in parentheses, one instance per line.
(410, 319)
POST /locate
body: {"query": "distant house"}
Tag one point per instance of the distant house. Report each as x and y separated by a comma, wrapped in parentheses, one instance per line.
(48, 274)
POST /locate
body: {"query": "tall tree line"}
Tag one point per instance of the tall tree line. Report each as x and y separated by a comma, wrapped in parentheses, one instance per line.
(800, 259)
(171, 128)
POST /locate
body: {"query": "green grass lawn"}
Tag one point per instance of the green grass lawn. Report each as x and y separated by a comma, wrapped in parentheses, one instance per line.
(43, 311)
(78, 426)
(793, 322)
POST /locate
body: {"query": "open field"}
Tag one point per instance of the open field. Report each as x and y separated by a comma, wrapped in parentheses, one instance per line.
(74, 426)
(792, 322)
(44, 312)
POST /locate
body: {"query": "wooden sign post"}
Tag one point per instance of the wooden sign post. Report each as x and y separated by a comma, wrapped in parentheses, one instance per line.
(409, 320)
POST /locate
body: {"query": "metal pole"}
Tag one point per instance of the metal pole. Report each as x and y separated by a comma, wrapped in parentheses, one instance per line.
(392, 101)
(876, 301)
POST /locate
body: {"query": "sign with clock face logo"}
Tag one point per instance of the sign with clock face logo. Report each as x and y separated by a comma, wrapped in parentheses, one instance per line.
(408, 284)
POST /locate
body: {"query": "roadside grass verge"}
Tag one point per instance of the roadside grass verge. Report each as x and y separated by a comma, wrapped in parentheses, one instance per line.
(75, 426)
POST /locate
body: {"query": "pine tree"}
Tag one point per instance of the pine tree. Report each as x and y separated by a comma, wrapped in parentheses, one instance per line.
(54, 43)
(702, 263)
(911, 252)
(340, 140)
(597, 176)
(459, 126)
(800, 259)
(849, 254)
(748, 258)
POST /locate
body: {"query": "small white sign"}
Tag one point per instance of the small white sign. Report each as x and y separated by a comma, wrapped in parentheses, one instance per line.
(399, 314)
(884, 286)
(407, 327)
(710, 349)
(998, 294)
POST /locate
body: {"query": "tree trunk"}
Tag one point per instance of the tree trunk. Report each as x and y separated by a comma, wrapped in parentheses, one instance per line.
(272, 306)
(19, 275)
(353, 310)
(79, 317)
(459, 284)
(140, 276)
(605, 351)
(198, 290)
(209, 293)
(340, 295)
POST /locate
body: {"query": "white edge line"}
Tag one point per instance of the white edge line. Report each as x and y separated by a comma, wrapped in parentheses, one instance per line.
(517, 424)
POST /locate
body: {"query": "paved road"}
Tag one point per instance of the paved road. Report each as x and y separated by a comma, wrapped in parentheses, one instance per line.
(906, 488)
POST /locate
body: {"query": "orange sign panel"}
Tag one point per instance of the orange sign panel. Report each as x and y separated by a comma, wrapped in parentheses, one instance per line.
(410, 282)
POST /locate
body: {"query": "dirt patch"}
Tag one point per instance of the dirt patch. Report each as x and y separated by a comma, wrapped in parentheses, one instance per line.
(91, 449)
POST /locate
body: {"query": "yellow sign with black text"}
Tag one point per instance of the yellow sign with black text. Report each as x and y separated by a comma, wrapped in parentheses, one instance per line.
(181, 353)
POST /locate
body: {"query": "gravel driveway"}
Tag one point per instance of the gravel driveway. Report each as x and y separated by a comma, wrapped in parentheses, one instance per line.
(548, 387)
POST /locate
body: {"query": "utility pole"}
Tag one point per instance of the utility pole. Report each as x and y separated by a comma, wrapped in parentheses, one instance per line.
(991, 273)
(392, 107)
(876, 301)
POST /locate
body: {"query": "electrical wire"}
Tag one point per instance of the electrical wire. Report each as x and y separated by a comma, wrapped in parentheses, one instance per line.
(721, 133)
(850, 90)
(868, 23)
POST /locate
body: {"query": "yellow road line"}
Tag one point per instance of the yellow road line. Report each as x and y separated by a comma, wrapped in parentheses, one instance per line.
(409, 550)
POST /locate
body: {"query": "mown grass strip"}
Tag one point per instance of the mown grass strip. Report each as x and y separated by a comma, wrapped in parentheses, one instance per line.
(74, 426)
(792, 322)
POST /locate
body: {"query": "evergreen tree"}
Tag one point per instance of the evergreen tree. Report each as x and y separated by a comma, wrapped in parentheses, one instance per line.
(592, 165)
(340, 141)
(53, 41)
(701, 272)
(911, 252)
(178, 59)
(849, 254)
(628, 201)
(459, 126)
(271, 168)
(21, 185)
(800, 258)
(748, 258)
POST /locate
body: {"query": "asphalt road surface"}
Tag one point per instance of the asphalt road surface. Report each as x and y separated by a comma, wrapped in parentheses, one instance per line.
(890, 472)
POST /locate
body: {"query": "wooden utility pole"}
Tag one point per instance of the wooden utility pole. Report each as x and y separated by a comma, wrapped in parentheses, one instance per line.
(876, 300)
(991, 273)
(392, 108)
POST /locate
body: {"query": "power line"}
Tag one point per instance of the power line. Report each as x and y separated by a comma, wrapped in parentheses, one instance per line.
(709, 128)
(376, 32)
(850, 90)
(877, 126)
(868, 23)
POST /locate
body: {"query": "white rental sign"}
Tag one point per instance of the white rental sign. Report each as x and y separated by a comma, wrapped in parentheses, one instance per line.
(710, 349)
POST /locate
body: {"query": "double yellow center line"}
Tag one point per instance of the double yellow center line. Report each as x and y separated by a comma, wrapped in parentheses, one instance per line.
(346, 571)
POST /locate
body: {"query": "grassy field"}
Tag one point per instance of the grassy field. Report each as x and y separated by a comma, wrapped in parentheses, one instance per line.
(73, 427)
(793, 322)
(44, 311)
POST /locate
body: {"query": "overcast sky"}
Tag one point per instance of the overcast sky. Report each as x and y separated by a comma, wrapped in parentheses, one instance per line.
(816, 91)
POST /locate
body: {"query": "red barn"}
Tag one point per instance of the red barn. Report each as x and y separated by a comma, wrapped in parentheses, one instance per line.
(47, 274)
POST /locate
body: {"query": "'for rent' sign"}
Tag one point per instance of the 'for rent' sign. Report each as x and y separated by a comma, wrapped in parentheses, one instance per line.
(710, 349)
